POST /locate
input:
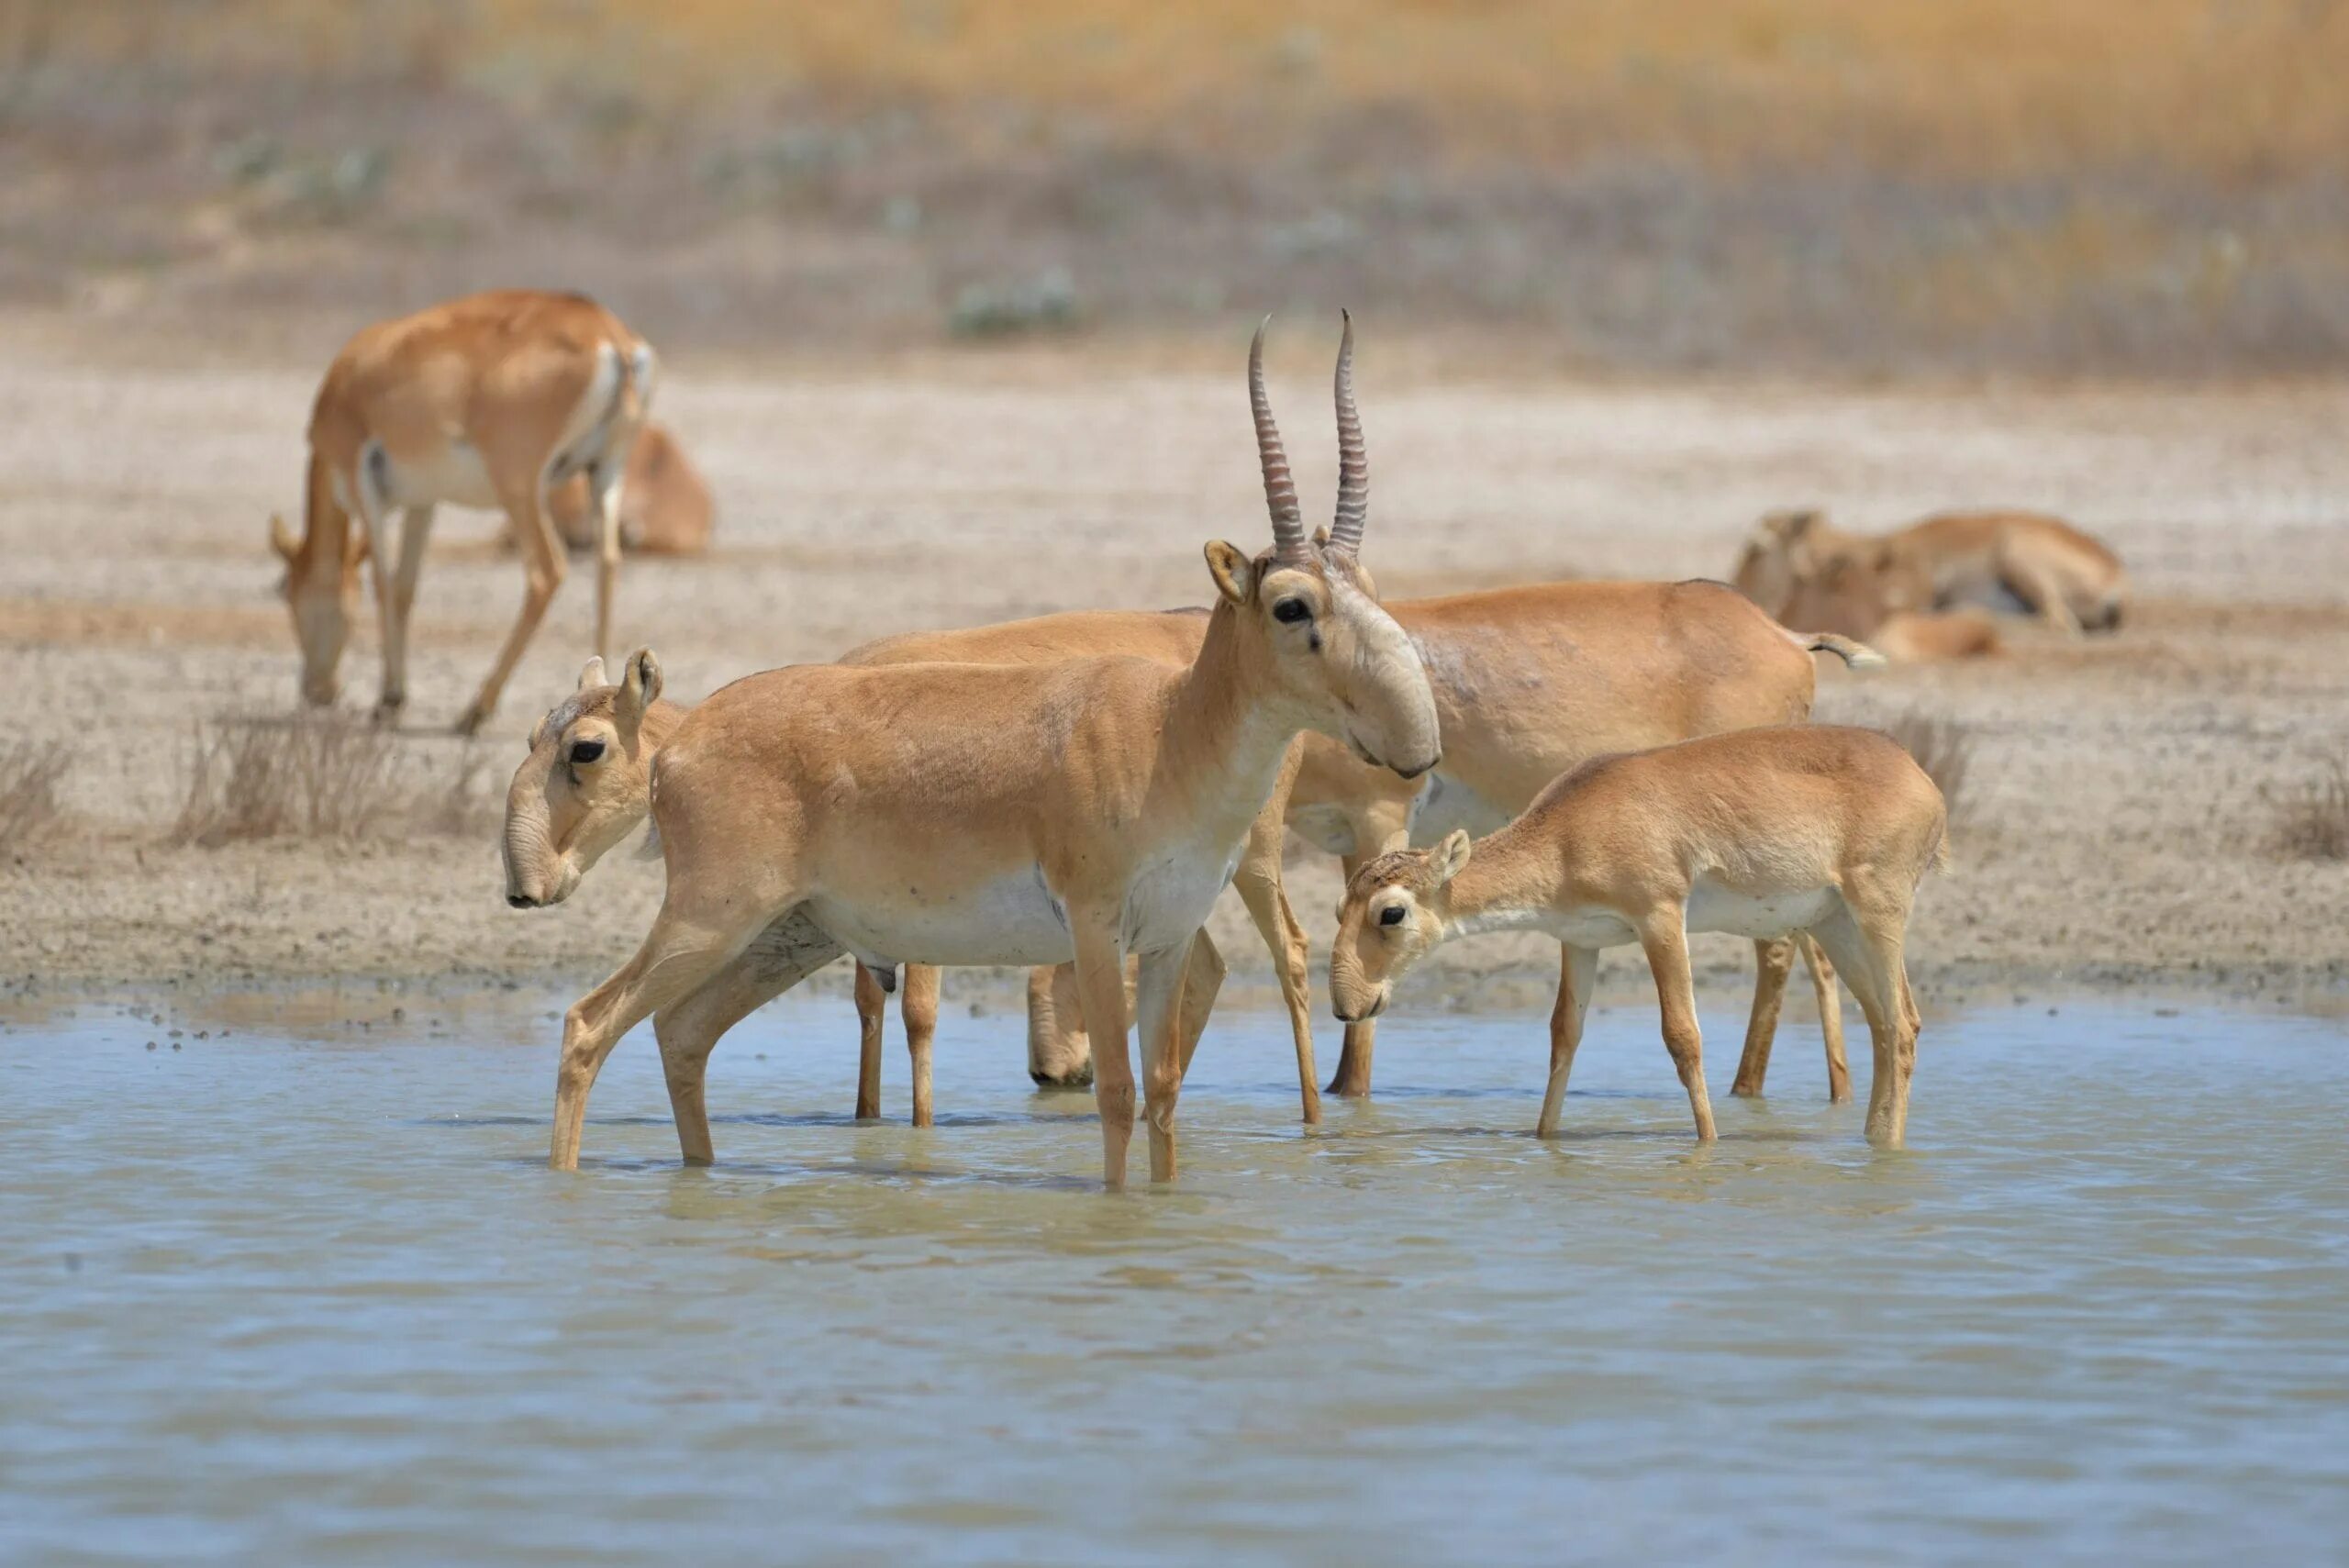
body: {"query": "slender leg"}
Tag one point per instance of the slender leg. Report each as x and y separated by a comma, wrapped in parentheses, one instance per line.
(1059, 1054)
(1831, 1017)
(376, 517)
(604, 494)
(677, 956)
(687, 1030)
(543, 569)
(1910, 1021)
(1101, 978)
(1259, 882)
(871, 1003)
(1666, 940)
(1202, 979)
(1866, 945)
(1773, 959)
(416, 527)
(1159, 1024)
(1577, 977)
(917, 1003)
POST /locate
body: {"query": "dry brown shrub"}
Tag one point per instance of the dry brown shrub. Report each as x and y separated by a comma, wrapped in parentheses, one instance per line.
(1942, 747)
(2312, 820)
(265, 778)
(29, 774)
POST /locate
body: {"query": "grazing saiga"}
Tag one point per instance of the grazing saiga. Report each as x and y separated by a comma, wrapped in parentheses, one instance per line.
(1804, 827)
(490, 400)
(1006, 814)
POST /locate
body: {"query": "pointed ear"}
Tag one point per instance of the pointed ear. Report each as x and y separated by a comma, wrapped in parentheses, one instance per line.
(281, 539)
(1235, 578)
(591, 674)
(639, 689)
(1321, 538)
(1451, 855)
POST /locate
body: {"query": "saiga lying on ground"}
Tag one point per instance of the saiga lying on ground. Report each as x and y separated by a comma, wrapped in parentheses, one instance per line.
(1985, 560)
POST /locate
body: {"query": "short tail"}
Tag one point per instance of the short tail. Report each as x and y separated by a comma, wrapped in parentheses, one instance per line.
(1856, 654)
(1944, 861)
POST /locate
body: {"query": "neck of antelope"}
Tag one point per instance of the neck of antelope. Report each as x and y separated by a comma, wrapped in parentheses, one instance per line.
(1507, 886)
(1225, 734)
(325, 531)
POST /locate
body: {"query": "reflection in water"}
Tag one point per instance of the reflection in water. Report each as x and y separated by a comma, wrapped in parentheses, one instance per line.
(273, 1299)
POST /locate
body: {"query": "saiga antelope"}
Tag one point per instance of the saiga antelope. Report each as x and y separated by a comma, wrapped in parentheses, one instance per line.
(586, 782)
(1990, 561)
(484, 401)
(1006, 814)
(1812, 827)
(1530, 681)
(1855, 595)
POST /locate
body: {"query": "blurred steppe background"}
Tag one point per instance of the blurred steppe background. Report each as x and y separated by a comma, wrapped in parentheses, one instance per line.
(2044, 187)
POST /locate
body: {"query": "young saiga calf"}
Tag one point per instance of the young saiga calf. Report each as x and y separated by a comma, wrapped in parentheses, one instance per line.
(970, 813)
(1760, 832)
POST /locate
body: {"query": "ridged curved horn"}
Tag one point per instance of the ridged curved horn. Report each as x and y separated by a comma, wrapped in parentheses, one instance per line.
(281, 539)
(1354, 460)
(1280, 489)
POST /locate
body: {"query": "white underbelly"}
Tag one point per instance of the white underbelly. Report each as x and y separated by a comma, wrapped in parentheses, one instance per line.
(1712, 908)
(454, 476)
(1012, 920)
(1590, 928)
(1445, 804)
(1171, 899)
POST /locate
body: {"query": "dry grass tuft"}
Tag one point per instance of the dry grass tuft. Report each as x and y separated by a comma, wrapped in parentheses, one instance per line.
(2312, 821)
(332, 777)
(265, 778)
(29, 774)
(1942, 747)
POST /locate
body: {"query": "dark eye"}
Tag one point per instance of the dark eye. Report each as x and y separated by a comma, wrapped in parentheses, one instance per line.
(1391, 916)
(587, 750)
(1291, 611)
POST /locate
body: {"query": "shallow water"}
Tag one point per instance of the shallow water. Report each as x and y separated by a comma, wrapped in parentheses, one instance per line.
(315, 1299)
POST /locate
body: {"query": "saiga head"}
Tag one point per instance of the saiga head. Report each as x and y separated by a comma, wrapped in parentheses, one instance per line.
(1308, 613)
(1393, 912)
(586, 782)
(321, 590)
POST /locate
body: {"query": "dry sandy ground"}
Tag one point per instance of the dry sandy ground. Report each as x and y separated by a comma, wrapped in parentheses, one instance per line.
(2117, 822)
